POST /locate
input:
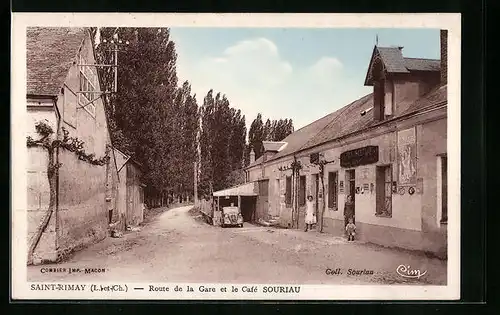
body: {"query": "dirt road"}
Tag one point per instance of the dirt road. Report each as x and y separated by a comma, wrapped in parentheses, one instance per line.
(179, 247)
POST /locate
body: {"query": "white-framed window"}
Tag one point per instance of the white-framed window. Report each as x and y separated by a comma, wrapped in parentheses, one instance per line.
(88, 84)
(389, 99)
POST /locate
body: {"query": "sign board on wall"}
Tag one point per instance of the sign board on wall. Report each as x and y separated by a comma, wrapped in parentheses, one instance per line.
(361, 156)
(407, 157)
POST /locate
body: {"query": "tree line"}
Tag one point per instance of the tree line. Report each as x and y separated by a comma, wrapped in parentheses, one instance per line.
(160, 122)
(271, 130)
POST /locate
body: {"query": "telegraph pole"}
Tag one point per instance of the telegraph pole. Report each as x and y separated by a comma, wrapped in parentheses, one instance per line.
(195, 183)
(116, 43)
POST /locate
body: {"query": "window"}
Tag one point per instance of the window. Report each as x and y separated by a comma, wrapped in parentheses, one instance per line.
(302, 191)
(70, 105)
(288, 191)
(444, 189)
(263, 187)
(332, 190)
(384, 191)
(389, 98)
(88, 87)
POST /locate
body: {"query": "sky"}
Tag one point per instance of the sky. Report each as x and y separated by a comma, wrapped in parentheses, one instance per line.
(298, 73)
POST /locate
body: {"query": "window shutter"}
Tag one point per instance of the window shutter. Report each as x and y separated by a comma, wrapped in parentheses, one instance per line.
(331, 189)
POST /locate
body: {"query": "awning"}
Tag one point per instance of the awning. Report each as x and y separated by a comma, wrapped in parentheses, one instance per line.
(247, 189)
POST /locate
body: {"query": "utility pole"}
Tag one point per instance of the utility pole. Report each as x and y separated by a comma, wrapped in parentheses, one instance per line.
(116, 44)
(195, 183)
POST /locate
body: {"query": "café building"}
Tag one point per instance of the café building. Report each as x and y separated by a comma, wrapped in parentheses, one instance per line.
(388, 150)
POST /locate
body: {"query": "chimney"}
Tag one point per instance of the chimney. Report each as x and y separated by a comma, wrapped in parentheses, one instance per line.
(444, 56)
(252, 156)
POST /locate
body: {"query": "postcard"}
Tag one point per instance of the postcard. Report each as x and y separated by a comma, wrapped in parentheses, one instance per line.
(235, 156)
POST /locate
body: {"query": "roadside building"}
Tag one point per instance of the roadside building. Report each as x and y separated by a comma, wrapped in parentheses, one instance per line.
(64, 94)
(386, 149)
(130, 199)
(244, 197)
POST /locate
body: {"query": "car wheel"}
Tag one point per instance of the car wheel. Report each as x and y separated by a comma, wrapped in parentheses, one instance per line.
(241, 225)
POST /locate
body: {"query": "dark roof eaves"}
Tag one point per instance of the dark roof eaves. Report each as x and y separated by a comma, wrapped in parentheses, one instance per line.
(369, 66)
(431, 59)
(44, 96)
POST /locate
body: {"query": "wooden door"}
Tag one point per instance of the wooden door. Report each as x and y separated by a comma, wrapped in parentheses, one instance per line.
(351, 175)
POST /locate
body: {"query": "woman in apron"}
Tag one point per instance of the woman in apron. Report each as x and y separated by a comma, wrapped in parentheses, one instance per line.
(310, 213)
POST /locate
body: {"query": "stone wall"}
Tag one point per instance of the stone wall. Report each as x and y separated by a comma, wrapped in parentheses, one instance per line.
(38, 191)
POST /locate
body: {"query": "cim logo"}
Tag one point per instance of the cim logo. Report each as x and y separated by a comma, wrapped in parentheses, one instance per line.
(406, 271)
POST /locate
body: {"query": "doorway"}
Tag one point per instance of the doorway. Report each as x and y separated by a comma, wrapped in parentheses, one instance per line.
(316, 194)
(351, 188)
(248, 205)
(262, 210)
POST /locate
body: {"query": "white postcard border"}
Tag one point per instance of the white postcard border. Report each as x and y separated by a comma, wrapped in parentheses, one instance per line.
(21, 288)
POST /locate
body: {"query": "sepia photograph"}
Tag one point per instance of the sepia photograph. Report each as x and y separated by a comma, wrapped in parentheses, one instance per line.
(211, 160)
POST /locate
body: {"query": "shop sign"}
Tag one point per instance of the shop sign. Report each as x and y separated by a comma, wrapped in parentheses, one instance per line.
(361, 156)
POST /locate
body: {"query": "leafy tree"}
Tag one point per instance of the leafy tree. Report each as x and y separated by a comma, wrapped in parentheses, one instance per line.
(206, 141)
(275, 130)
(141, 112)
(256, 135)
(222, 144)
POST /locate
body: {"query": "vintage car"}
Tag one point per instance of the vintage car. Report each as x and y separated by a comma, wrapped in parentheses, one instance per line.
(231, 216)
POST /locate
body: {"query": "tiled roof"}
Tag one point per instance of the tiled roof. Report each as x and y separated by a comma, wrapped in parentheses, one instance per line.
(420, 64)
(393, 59)
(297, 139)
(50, 51)
(349, 120)
(273, 146)
(394, 62)
(433, 98)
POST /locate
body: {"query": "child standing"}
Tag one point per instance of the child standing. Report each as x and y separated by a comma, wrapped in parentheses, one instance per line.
(351, 230)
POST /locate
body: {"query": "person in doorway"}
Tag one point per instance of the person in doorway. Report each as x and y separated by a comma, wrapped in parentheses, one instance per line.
(348, 210)
(310, 213)
(351, 230)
